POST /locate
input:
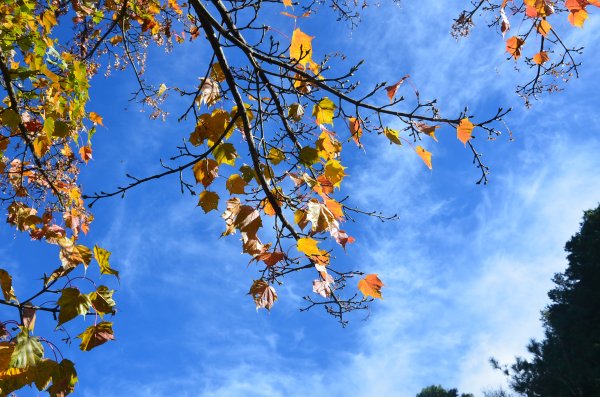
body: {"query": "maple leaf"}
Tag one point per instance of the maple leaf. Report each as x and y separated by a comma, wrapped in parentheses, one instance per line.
(96, 119)
(225, 154)
(324, 111)
(27, 350)
(464, 130)
(578, 17)
(85, 152)
(391, 90)
(276, 155)
(235, 184)
(205, 171)
(263, 294)
(209, 92)
(541, 58)
(371, 285)
(72, 303)
(308, 246)
(296, 111)
(102, 300)
(355, 130)
(392, 135)
(427, 129)
(7, 288)
(96, 335)
(324, 287)
(513, 46)
(301, 47)
(544, 28)
(334, 172)
(424, 155)
(102, 257)
(208, 201)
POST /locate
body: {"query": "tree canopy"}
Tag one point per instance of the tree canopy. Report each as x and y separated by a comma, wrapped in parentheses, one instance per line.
(260, 145)
(439, 391)
(567, 361)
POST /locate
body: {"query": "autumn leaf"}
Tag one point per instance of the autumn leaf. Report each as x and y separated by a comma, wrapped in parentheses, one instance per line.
(513, 46)
(27, 351)
(276, 155)
(464, 130)
(425, 156)
(235, 184)
(7, 288)
(102, 300)
(541, 58)
(216, 73)
(209, 92)
(392, 135)
(324, 287)
(263, 294)
(287, 3)
(225, 154)
(72, 303)
(544, 28)
(208, 201)
(391, 90)
(301, 47)
(371, 285)
(577, 18)
(102, 257)
(427, 129)
(296, 111)
(205, 171)
(85, 152)
(96, 119)
(355, 130)
(324, 111)
(334, 171)
(96, 335)
(308, 156)
(308, 246)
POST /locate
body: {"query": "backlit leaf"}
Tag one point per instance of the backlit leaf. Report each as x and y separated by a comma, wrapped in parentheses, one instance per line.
(72, 303)
(206, 171)
(371, 285)
(301, 47)
(324, 111)
(392, 135)
(208, 201)
(102, 257)
(263, 294)
(225, 154)
(464, 130)
(28, 350)
(425, 156)
(235, 184)
(541, 58)
(514, 46)
(96, 335)
(308, 246)
(7, 288)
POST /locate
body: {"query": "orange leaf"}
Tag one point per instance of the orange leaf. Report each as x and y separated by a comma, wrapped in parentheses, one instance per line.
(427, 129)
(86, 153)
(578, 18)
(541, 57)
(513, 46)
(287, 3)
(425, 156)
(355, 130)
(464, 130)
(96, 119)
(371, 286)
(391, 90)
(544, 28)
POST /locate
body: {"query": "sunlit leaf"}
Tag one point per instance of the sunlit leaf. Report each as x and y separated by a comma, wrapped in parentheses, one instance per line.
(371, 285)
(96, 335)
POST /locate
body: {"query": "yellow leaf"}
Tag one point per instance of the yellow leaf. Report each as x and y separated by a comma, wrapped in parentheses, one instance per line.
(7, 288)
(301, 47)
(206, 171)
(464, 130)
(96, 335)
(334, 171)
(427, 129)
(371, 286)
(392, 135)
(208, 201)
(425, 156)
(287, 3)
(324, 111)
(276, 155)
(96, 119)
(544, 28)
(308, 246)
(102, 257)
(235, 184)
(578, 17)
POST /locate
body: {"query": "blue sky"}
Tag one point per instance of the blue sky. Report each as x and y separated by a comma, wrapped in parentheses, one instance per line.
(466, 267)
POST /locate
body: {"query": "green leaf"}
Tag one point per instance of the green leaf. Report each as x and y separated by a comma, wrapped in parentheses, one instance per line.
(102, 256)
(96, 335)
(309, 156)
(64, 378)
(247, 173)
(72, 303)
(225, 154)
(276, 155)
(324, 111)
(28, 350)
(10, 118)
